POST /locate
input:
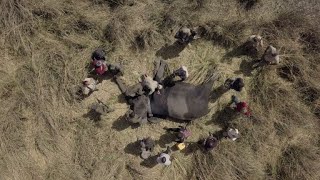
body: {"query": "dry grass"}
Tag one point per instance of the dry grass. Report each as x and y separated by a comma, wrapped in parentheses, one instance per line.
(45, 48)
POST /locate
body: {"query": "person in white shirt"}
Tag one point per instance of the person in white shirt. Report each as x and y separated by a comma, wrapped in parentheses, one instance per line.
(256, 41)
(185, 35)
(164, 157)
(182, 72)
(88, 86)
(232, 134)
(271, 55)
(253, 45)
(149, 84)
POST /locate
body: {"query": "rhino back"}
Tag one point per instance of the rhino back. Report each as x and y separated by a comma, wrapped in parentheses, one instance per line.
(187, 102)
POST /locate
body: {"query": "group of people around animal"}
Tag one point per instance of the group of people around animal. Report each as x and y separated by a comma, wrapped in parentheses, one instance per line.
(181, 134)
(149, 85)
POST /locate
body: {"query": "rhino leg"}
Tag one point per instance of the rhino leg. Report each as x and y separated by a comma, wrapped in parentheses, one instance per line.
(129, 92)
(121, 85)
(160, 69)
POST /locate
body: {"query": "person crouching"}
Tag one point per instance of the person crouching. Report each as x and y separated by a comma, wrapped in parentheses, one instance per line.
(150, 85)
(88, 86)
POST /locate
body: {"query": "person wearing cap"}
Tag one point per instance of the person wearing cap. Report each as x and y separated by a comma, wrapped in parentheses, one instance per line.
(240, 106)
(182, 72)
(88, 86)
(100, 64)
(182, 133)
(164, 158)
(232, 134)
(185, 35)
(150, 85)
(236, 84)
(98, 54)
(147, 146)
(210, 143)
(253, 44)
(98, 61)
(271, 55)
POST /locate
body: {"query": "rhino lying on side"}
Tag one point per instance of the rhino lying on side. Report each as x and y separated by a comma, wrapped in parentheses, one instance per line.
(178, 100)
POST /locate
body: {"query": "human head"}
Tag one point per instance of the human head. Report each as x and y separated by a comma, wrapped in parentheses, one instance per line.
(98, 54)
(98, 63)
(85, 82)
(211, 143)
(163, 159)
(180, 136)
(241, 83)
(235, 99)
(233, 134)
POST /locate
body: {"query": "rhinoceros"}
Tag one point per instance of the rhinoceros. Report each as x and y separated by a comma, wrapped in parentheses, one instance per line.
(178, 100)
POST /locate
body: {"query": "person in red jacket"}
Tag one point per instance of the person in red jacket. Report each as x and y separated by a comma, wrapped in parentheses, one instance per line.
(101, 66)
(98, 61)
(240, 106)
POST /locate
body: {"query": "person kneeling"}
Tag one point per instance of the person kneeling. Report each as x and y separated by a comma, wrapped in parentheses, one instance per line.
(164, 158)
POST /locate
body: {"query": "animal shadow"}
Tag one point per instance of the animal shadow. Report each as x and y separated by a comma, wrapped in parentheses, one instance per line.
(171, 51)
(133, 148)
(150, 162)
(121, 124)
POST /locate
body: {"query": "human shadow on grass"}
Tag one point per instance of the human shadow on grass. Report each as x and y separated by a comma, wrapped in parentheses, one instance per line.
(150, 162)
(239, 52)
(165, 138)
(235, 52)
(220, 133)
(223, 117)
(191, 147)
(246, 67)
(122, 99)
(133, 148)
(107, 76)
(121, 124)
(77, 93)
(171, 51)
(93, 115)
